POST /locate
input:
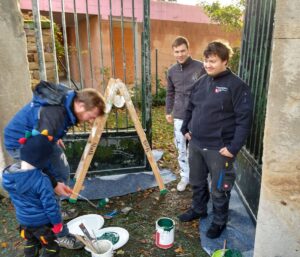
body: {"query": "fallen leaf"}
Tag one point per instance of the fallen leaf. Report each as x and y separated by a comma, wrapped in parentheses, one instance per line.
(120, 252)
(179, 250)
(143, 241)
(4, 245)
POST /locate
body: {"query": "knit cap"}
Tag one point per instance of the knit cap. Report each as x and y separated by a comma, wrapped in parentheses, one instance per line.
(36, 151)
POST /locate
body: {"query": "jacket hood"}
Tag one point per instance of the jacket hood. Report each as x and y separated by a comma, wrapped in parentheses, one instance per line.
(15, 179)
(69, 101)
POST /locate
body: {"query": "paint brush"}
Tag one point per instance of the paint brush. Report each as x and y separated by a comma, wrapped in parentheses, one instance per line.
(224, 248)
(84, 198)
(88, 237)
(96, 243)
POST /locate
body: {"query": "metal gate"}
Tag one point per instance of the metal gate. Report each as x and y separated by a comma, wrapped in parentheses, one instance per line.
(255, 69)
(89, 41)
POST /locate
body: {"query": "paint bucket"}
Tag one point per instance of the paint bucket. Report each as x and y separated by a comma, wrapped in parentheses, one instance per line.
(164, 236)
(105, 249)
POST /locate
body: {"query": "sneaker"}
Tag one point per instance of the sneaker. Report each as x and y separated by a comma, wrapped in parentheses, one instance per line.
(70, 242)
(215, 230)
(191, 215)
(182, 185)
(69, 214)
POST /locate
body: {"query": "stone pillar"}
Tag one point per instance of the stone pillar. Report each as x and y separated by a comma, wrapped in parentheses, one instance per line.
(14, 73)
(278, 222)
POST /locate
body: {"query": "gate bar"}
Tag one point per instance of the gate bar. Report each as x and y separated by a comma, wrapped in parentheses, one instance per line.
(39, 39)
(53, 41)
(63, 20)
(78, 45)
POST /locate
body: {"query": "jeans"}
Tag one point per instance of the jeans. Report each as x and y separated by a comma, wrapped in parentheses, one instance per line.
(58, 164)
(181, 145)
(203, 162)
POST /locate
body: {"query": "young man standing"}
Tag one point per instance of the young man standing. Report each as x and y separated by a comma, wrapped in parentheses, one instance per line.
(219, 114)
(181, 77)
(52, 111)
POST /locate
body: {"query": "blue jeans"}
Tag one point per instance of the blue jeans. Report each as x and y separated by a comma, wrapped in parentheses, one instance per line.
(58, 164)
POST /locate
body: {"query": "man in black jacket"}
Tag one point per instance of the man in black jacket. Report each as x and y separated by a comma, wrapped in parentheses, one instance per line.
(181, 77)
(219, 113)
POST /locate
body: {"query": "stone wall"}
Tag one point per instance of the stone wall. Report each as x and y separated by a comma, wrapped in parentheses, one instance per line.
(32, 54)
(278, 222)
(14, 75)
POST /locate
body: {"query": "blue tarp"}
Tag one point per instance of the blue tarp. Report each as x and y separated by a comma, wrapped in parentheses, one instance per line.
(239, 233)
(117, 185)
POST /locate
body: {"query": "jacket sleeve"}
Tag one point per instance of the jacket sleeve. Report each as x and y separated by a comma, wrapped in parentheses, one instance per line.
(188, 114)
(243, 107)
(170, 94)
(49, 202)
(52, 118)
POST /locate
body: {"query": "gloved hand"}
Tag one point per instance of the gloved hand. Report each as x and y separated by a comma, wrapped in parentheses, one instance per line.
(64, 231)
(57, 228)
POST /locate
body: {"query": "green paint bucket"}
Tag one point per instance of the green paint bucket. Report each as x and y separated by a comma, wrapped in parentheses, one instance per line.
(164, 236)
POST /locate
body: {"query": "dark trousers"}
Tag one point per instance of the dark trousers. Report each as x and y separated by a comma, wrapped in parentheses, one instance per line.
(203, 162)
(39, 239)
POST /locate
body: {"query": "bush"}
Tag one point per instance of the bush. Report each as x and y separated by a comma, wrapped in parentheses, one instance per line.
(159, 98)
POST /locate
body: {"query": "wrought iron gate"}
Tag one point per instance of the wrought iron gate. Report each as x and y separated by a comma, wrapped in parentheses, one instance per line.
(99, 40)
(254, 69)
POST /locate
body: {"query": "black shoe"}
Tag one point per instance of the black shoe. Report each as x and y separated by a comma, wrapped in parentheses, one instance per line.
(215, 230)
(191, 215)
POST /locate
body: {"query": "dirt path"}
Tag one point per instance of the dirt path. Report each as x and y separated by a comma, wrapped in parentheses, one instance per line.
(147, 207)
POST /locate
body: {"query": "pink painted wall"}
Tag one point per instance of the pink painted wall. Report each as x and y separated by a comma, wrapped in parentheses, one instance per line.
(158, 11)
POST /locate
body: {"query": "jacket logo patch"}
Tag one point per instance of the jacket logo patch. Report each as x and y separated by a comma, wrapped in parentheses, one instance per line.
(196, 76)
(221, 89)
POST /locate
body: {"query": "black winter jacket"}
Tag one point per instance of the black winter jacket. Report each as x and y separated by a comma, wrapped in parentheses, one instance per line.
(220, 112)
(181, 78)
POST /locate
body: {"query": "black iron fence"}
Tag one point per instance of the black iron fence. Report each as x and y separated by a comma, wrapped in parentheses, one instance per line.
(101, 39)
(254, 68)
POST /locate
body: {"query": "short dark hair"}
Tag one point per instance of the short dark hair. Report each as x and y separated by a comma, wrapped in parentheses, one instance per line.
(219, 48)
(91, 99)
(180, 41)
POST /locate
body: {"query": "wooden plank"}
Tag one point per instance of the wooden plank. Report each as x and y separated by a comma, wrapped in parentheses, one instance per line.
(142, 135)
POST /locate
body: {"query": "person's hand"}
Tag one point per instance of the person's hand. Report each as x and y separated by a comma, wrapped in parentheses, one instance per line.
(61, 144)
(169, 118)
(224, 151)
(62, 189)
(188, 136)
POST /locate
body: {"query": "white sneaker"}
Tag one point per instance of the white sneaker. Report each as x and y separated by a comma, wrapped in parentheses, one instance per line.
(182, 185)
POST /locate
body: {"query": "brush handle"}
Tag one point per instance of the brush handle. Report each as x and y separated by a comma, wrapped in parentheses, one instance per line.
(84, 198)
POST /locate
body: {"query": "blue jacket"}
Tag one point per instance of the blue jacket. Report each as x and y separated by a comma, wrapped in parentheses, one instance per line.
(220, 112)
(32, 195)
(41, 114)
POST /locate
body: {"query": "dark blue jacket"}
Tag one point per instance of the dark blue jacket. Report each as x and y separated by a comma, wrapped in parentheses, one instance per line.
(40, 114)
(32, 195)
(220, 112)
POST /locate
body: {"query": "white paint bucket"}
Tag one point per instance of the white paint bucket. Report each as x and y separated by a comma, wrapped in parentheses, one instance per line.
(105, 248)
(164, 236)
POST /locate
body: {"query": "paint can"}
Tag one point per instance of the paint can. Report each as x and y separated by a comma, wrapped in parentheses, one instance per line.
(105, 248)
(164, 236)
